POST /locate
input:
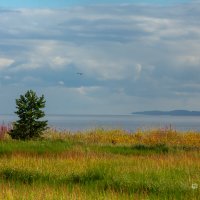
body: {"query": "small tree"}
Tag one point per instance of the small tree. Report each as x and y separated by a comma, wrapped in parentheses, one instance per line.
(29, 112)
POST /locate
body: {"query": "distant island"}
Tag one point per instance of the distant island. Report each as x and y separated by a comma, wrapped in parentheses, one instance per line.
(171, 113)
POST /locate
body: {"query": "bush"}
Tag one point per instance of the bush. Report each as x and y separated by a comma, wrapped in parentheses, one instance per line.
(29, 112)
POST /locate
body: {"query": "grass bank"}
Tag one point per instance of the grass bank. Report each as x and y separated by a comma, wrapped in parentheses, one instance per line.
(102, 164)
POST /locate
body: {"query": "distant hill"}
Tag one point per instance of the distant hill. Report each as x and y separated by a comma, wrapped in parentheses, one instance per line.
(171, 113)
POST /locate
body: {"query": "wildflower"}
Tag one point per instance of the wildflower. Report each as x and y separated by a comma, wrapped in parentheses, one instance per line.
(194, 186)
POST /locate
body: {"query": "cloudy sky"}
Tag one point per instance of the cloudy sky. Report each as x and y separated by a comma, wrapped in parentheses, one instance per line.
(134, 55)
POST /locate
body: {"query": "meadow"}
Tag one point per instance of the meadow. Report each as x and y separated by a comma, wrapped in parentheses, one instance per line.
(101, 164)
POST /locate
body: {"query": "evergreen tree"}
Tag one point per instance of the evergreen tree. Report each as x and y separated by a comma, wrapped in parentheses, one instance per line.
(29, 112)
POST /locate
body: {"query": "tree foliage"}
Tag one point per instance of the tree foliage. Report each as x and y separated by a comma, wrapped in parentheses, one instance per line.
(29, 112)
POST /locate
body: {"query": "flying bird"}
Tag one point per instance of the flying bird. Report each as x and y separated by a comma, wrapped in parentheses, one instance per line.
(79, 73)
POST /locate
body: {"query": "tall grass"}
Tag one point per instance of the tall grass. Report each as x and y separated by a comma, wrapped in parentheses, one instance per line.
(102, 164)
(133, 176)
(166, 136)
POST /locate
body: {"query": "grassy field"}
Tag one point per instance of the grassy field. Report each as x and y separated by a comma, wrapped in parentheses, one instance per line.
(102, 164)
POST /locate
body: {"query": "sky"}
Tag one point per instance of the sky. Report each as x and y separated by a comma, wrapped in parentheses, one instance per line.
(132, 55)
(67, 3)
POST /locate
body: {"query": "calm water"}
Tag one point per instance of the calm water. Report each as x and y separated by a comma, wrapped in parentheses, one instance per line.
(127, 122)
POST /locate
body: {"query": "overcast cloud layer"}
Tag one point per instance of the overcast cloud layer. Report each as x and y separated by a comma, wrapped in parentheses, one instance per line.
(133, 57)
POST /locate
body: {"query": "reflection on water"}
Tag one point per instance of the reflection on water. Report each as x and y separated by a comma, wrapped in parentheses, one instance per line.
(127, 122)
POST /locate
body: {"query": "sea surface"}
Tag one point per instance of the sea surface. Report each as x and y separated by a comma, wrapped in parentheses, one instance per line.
(126, 122)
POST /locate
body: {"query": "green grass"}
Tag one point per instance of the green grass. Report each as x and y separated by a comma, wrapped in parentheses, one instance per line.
(56, 147)
(139, 149)
(36, 147)
(164, 183)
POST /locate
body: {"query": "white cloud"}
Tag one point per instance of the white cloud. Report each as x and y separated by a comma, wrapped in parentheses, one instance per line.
(59, 62)
(7, 77)
(5, 62)
(137, 53)
(191, 60)
(87, 90)
(61, 83)
(138, 69)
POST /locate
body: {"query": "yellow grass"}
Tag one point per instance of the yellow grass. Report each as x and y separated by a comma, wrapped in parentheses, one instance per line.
(149, 137)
